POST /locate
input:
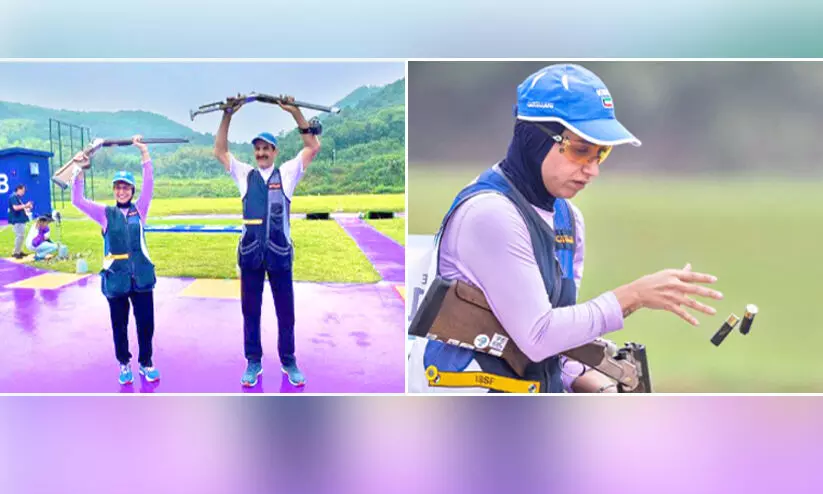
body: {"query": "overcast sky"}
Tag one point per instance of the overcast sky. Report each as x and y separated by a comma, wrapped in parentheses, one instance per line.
(173, 88)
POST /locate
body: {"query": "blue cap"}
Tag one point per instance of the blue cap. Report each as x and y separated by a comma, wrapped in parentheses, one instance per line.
(266, 136)
(123, 176)
(575, 97)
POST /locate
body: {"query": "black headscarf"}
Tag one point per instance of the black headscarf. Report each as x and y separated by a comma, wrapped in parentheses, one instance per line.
(527, 150)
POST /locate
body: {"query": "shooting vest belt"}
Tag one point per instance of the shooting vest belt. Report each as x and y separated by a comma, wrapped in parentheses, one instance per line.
(485, 380)
(457, 313)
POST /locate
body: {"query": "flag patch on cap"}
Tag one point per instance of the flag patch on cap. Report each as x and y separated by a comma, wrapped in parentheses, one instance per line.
(605, 98)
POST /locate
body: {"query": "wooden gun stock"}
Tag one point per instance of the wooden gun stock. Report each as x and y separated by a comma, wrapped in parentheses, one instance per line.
(62, 177)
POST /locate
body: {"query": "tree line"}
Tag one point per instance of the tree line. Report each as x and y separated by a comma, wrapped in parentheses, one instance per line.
(363, 146)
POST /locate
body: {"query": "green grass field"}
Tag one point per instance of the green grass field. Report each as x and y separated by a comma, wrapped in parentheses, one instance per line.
(760, 238)
(324, 251)
(300, 204)
(394, 228)
(223, 186)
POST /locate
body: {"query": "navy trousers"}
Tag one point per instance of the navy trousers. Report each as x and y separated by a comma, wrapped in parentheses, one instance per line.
(251, 299)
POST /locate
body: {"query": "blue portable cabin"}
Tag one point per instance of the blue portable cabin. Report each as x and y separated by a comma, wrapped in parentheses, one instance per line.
(31, 168)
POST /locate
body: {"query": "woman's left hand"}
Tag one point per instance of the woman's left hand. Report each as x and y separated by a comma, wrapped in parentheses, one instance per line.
(137, 141)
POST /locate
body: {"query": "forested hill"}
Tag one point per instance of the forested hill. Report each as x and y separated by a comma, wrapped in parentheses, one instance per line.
(28, 125)
(363, 146)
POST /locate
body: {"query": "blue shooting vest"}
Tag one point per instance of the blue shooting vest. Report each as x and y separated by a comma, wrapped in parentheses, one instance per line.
(265, 242)
(557, 272)
(126, 264)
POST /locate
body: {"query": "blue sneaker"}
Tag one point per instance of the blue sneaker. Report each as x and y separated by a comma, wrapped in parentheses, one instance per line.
(126, 376)
(253, 370)
(150, 373)
(295, 376)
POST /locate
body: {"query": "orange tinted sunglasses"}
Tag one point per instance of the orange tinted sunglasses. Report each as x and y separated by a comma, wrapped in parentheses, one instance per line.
(579, 152)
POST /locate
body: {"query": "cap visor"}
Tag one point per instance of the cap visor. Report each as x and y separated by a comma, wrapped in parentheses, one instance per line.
(264, 140)
(605, 132)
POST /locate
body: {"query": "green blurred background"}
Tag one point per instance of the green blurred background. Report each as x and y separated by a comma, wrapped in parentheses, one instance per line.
(727, 179)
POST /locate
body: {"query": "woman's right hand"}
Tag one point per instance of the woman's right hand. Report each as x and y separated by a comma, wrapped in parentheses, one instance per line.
(81, 159)
(669, 290)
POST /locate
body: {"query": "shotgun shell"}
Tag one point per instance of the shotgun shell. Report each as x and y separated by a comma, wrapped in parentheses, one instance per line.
(725, 329)
(748, 318)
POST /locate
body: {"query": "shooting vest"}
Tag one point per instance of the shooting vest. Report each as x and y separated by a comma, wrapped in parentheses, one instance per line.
(554, 252)
(266, 241)
(126, 265)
